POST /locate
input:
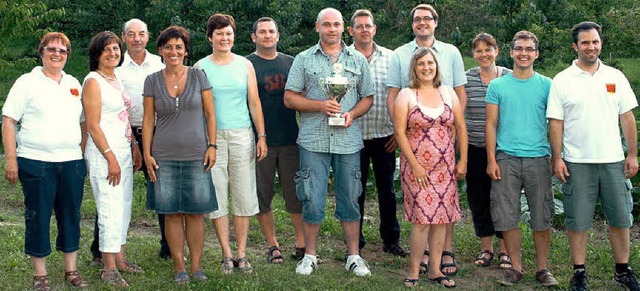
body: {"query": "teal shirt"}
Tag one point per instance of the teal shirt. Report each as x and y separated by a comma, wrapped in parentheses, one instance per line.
(522, 123)
(229, 84)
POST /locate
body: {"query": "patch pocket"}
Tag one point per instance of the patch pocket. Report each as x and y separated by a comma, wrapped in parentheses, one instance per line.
(357, 183)
(304, 187)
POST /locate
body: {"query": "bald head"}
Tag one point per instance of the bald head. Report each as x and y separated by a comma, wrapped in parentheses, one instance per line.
(324, 12)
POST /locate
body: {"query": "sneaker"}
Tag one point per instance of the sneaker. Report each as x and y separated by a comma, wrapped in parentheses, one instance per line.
(627, 280)
(357, 265)
(396, 250)
(307, 265)
(580, 281)
(511, 277)
(546, 278)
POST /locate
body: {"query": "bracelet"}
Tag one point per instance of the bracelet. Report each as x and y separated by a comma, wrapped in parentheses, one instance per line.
(262, 135)
(213, 145)
(106, 151)
(135, 141)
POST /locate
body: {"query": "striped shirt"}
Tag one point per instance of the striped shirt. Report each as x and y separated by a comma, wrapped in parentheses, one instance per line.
(377, 123)
(475, 114)
(304, 77)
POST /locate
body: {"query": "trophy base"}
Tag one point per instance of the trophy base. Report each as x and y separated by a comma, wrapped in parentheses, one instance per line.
(337, 121)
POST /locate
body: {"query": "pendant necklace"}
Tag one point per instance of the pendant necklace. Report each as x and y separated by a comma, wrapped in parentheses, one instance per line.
(175, 84)
(108, 78)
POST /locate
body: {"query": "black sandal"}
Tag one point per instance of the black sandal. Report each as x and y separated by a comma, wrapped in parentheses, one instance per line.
(443, 278)
(271, 257)
(504, 259)
(449, 265)
(410, 283)
(483, 261)
(424, 265)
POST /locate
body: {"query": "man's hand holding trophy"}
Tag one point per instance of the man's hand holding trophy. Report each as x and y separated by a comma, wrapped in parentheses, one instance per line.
(336, 87)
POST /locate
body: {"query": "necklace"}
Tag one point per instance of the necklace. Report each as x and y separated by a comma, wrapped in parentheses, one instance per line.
(175, 84)
(109, 78)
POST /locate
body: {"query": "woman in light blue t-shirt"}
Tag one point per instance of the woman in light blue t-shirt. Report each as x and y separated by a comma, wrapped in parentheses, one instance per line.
(237, 103)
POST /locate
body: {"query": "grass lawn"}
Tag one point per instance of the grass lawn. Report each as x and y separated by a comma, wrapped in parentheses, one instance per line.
(388, 272)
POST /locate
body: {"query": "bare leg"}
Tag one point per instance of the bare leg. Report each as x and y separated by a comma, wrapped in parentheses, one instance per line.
(619, 238)
(109, 260)
(194, 225)
(437, 234)
(70, 260)
(221, 225)
(542, 240)
(241, 227)
(268, 230)
(311, 232)
(578, 246)
(296, 219)
(486, 243)
(174, 231)
(513, 241)
(448, 246)
(417, 243)
(39, 266)
(352, 236)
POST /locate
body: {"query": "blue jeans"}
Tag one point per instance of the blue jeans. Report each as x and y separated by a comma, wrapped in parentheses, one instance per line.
(311, 184)
(384, 165)
(51, 187)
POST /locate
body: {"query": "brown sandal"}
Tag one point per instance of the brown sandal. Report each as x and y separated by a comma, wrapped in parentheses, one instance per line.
(76, 280)
(128, 267)
(113, 277)
(41, 283)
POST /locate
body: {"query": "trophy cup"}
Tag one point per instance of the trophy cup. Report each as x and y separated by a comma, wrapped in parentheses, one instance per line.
(336, 87)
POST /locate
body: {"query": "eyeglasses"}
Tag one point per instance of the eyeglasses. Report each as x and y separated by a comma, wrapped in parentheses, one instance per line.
(54, 50)
(363, 27)
(424, 18)
(524, 49)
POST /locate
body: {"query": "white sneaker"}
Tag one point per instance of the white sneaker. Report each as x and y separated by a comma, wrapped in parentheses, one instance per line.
(357, 265)
(307, 265)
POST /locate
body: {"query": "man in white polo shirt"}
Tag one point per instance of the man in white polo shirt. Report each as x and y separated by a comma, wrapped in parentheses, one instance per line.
(138, 64)
(587, 102)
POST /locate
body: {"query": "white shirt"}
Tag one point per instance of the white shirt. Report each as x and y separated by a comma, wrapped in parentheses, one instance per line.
(49, 114)
(590, 106)
(133, 76)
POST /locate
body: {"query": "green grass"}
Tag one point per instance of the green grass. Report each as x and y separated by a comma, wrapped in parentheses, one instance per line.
(388, 271)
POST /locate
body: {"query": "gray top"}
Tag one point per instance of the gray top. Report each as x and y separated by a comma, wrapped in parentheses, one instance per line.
(180, 133)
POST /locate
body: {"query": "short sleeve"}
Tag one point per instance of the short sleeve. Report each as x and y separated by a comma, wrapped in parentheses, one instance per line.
(17, 100)
(394, 78)
(366, 88)
(628, 99)
(295, 81)
(459, 76)
(492, 94)
(148, 90)
(203, 79)
(554, 102)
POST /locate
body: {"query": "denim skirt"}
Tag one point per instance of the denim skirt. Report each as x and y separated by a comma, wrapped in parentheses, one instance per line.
(184, 187)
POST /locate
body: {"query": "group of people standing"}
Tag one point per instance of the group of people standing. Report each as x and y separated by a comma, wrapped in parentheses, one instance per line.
(199, 134)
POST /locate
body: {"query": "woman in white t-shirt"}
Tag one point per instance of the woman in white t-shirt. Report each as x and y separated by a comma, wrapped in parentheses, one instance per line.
(45, 155)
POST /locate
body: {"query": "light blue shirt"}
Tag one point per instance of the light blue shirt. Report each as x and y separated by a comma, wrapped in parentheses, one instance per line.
(315, 133)
(522, 123)
(449, 59)
(229, 85)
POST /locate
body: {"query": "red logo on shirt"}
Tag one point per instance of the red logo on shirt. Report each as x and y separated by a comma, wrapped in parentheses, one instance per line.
(611, 88)
(75, 92)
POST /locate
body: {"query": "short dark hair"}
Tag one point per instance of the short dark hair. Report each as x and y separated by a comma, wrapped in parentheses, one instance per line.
(413, 77)
(425, 7)
(172, 32)
(486, 38)
(218, 21)
(263, 19)
(51, 36)
(97, 45)
(361, 12)
(523, 34)
(584, 26)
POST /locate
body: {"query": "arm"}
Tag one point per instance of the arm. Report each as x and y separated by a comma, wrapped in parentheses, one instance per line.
(401, 110)
(358, 110)
(461, 133)
(391, 100)
(208, 107)
(92, 104)
(630, 132)
(490, 141)
(297, 101)
(462, 97)
(556, 129)
(148, 123)
(9, 142)
(255, 109)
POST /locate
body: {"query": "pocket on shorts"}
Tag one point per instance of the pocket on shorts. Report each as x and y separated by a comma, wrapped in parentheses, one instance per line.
(357, 183)
(304, 188)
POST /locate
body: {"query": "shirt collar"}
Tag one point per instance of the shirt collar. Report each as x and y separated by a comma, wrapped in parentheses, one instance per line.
(129, 61)
(415, 46)
(318, 48)
(376, 51)
(577, 70)
(38, 70)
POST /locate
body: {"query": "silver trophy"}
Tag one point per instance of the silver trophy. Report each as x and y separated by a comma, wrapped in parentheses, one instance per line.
(336, 87)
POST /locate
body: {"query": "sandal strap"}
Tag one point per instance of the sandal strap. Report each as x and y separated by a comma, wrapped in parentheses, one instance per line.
(41, 283)
(74, 278)
(113, 277)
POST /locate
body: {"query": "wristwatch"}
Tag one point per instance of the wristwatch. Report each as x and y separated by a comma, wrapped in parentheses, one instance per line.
(213, 145)
(262, 135)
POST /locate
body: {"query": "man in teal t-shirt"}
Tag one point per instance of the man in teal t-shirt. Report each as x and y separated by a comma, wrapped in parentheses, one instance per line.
(518, 157)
